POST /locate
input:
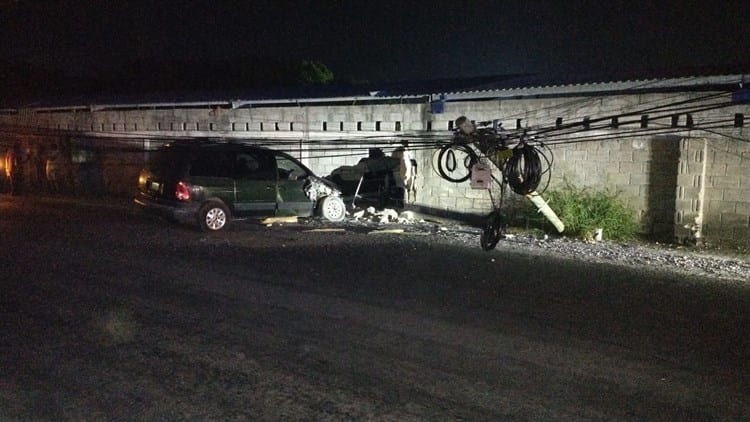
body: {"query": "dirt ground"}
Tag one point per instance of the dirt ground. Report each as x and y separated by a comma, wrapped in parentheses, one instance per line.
(108, 314)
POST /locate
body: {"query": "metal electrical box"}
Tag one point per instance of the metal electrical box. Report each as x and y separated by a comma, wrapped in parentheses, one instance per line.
(481, 176)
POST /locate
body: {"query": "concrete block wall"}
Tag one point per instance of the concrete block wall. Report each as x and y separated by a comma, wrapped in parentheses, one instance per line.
(726, 205)
(673, 183)
(675, 188)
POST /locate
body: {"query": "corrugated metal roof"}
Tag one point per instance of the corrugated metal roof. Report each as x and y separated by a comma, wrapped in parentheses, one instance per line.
(503, 86)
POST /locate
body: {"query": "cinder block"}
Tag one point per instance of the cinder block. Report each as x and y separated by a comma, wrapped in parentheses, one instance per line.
(684, 205)
(463, 203)
(618, 179)
(384, 126)
(357, 117)
(732, 170)
(713, 194)
(715, 207)
(726, 158)
(628, 167)
(476, 193)
(724, 182)
(593, 172)
(349, 126)
(482, 205)
(732, 219)
(641, 156)
(639, 179)
(377, 115)
(270, 115)
(416, 125)
(449, 202)
(575, 155)
(716, 169)
(738, 195)
(440, 191)
(621, 156)
(690, 192)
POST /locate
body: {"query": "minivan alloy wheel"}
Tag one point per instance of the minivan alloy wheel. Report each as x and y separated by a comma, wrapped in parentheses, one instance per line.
(213, 216)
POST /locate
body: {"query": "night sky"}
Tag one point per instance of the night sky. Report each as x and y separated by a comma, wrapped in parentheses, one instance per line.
(379, 41)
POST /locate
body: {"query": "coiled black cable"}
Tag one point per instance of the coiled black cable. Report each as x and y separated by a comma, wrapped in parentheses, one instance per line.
(447, 158)
(526, 168)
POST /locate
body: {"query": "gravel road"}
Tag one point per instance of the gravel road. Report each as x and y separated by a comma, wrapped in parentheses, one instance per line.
(108, 314)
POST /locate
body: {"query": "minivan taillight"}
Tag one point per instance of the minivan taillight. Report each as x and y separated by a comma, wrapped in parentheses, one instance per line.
(182, 192)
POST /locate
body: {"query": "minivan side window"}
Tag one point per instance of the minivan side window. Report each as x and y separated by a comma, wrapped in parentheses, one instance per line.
(255, 165)
(289, 169)
(212, 164)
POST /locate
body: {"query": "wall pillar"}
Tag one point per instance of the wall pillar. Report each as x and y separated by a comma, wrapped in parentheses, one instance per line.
(691, 190)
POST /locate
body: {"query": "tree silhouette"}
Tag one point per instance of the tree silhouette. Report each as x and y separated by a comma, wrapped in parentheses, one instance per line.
(311, 72)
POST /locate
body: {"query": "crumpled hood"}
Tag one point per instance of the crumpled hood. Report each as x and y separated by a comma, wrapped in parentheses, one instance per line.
(317, 188)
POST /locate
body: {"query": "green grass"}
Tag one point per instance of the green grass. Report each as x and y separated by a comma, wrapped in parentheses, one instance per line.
(584, 211)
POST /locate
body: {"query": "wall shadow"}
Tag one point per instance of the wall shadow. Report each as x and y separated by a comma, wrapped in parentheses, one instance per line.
(662, 170)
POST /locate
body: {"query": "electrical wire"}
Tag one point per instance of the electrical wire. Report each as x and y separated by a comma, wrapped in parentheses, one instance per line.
(525, 169)
(551, 134)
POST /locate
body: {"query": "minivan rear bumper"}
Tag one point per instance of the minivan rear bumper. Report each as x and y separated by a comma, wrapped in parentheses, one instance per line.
(183, 212)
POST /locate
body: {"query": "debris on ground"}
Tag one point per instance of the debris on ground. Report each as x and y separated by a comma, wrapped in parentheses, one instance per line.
(279, 220)
(387, 231)
(384, 216)
(647, 255)
(326, 230)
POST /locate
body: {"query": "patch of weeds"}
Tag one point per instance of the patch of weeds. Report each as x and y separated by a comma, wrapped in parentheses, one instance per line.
(584, 211)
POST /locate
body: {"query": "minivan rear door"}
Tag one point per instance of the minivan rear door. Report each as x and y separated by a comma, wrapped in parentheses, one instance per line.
(255, 180)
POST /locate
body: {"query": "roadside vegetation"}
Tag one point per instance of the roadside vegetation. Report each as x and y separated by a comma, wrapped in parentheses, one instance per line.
(584, 211)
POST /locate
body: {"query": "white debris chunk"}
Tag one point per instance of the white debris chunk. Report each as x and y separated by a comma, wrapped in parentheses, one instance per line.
(406, 217)
(359, 214)
(388, 215)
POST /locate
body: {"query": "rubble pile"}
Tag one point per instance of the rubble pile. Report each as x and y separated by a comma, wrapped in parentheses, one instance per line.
(385, 216)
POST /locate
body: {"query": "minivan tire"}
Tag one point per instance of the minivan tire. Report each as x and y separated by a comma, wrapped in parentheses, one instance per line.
(213, 216)
(332, 208)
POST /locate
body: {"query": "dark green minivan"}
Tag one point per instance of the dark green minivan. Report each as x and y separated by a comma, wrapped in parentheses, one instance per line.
(210, 183)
